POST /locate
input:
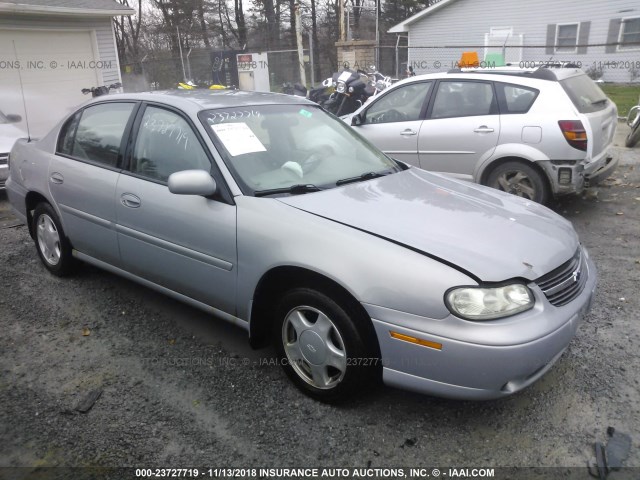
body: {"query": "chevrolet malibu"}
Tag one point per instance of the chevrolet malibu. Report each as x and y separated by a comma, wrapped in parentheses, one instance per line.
(271, 214)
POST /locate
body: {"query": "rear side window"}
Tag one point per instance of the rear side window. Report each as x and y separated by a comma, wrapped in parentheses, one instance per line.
(67, 134)
(516, 98)
(98, 134)
(463, 99)
(585, 94)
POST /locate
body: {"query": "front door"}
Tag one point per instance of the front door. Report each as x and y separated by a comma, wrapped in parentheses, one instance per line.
(186, 243)
(393, 121)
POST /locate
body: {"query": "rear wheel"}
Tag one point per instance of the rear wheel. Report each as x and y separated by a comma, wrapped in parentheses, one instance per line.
(519, 179)
(53, 247)
(323, 345)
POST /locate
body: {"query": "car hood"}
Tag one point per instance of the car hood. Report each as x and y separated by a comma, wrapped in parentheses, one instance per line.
(491, 235)
(8, 136)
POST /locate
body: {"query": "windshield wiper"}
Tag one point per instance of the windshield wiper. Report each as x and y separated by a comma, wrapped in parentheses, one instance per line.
(292, 190)
(360, 178)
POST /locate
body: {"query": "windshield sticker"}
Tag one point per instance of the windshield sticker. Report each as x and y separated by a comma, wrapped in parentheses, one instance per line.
(344, 76)
(305, 113)
(219, 117)
(238, 138)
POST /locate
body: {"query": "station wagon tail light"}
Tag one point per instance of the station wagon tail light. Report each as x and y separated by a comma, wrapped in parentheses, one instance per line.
(482, 303)
(574, 133)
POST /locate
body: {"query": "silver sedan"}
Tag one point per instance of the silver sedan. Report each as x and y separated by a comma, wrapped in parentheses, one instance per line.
(269, 213)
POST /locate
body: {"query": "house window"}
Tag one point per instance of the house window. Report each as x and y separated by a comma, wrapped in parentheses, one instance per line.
(630, 34)
(567, 37)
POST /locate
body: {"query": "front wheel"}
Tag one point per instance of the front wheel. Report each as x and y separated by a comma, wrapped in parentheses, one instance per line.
(519, 179)
(53, 246)
(634, 135)
(324, 346)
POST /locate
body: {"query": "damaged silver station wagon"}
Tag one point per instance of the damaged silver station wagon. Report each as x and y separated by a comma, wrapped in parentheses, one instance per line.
(267, 212)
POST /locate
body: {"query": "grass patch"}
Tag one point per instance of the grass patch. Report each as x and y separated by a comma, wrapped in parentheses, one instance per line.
(624, 96)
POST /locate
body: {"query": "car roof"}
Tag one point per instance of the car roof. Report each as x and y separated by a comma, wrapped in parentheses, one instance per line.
(509, 74)
(203, 99)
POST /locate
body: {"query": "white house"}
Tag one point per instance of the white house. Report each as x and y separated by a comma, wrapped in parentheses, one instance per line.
(49, 51)
(598, 35)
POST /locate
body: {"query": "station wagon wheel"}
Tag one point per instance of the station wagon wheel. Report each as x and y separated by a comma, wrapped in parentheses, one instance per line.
(320, 347)
(519, 179)
(52, 244)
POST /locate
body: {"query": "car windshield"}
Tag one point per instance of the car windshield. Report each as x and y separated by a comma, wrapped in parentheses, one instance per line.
(292, 149)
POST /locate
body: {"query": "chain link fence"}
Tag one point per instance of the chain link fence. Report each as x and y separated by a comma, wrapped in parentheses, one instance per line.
(204, 68)
(601, 61)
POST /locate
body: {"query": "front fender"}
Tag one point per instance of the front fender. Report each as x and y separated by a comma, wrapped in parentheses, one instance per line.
(373, 270)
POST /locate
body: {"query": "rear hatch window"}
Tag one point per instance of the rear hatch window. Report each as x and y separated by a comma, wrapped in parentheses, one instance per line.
(585, 94)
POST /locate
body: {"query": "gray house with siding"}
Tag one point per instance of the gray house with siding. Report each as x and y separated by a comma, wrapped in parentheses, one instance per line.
(603, 37)
(49, 51)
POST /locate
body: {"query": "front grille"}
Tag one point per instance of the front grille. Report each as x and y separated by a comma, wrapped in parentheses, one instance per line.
(4, 158)
(566, 282)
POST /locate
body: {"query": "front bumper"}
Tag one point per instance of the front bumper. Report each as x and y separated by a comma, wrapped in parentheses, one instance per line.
(474, 370)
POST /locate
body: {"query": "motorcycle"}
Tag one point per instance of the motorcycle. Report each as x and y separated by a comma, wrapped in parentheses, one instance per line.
(103, 90)
(353, 88)
(633, 120)
(294, 89)
(321, 94)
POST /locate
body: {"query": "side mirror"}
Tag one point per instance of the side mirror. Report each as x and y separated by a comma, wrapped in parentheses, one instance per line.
(13, 118)
(357, 120)
(192, 182)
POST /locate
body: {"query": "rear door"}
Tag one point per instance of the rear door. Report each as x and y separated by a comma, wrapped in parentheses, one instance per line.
(84, 172)
(393, 121)
(462, 127)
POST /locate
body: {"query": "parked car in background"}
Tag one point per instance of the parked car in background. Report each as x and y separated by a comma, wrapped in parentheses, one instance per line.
(533, 133)
(270, 213)
(9, 133)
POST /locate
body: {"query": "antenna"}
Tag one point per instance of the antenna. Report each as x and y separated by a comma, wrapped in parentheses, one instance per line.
(24, 103)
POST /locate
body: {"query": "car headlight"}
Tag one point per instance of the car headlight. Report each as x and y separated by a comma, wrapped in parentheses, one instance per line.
(482, 303)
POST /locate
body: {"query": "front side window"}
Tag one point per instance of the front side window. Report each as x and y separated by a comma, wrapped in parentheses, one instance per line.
(276, 147)
(403, 104)
(566, 37)
(99, 133)
(630, 34)
(166, 144)
(463, 99)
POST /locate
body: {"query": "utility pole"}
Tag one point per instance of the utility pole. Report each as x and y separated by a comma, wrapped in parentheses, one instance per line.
(342, 32)
(303, 76)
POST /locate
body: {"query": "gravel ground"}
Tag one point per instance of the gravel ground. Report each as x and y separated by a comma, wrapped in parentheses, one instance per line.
(180, 389)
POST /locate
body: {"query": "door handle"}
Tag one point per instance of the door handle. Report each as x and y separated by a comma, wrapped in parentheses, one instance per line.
(56, 178)
(130, 200)
(408, 132)
(483, 129)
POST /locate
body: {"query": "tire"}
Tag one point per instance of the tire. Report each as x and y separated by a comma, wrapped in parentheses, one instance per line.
(326, 348)
(520, 179)
(52, 245)
(634, 135)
